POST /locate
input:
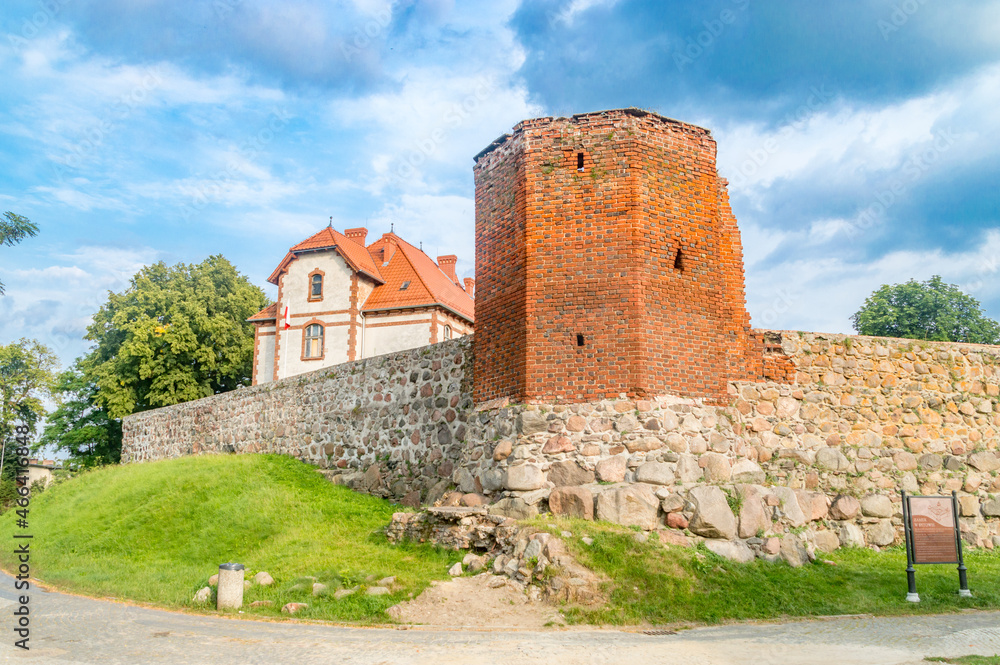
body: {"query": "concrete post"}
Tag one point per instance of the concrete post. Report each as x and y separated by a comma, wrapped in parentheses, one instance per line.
(230, 594)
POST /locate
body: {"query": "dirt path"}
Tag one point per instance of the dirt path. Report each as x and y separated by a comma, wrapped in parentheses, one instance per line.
(472, 602)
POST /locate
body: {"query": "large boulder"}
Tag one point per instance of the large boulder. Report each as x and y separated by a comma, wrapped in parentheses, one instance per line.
(747, 471)
(851, 535)
(826, 541)
(832, 459)
(532, 422)
(734, 550)
(513, 507)
(524, 477)
(688, 470)
(880, 533)
(569, 472)
(635, 505)
(572, 502)
(845, 507)
(788, 503)
(793, 552)
(876, 505)
(612, 469)
(754, 516)
(984, 461)
(717, 467)
(656, 473)
(713, 517)
(991, 508)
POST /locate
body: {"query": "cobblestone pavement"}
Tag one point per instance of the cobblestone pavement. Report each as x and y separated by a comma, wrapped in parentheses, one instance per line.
(68, 629)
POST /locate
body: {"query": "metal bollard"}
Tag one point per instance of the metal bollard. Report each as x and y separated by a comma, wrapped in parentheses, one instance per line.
(230, 595)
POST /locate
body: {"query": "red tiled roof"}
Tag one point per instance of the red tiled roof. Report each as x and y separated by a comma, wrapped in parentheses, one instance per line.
(269, 313)
(429, 285)
(356, 255)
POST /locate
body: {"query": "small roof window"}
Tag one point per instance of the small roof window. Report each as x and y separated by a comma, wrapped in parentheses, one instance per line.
(405, 286)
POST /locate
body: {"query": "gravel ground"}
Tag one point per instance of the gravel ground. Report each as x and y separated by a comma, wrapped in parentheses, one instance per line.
(71, 629)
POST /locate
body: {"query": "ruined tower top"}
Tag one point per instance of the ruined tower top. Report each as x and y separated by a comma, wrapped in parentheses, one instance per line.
(608, 262)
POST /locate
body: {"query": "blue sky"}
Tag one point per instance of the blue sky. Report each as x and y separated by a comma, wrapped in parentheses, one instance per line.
(860, 138)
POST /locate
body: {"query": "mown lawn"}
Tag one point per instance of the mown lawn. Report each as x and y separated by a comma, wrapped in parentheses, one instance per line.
(155, 532)
(658, 585)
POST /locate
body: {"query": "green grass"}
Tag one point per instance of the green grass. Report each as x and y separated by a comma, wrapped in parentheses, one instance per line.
(155, 532)
(658, 585)
(968, 660)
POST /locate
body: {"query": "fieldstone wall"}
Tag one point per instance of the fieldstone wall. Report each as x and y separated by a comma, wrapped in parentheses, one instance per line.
(822, 458)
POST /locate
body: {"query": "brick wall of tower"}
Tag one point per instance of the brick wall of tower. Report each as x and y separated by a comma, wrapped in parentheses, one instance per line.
(500, 358)
(607, 307)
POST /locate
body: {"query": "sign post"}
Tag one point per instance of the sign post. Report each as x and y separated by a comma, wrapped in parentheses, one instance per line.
(933, 536)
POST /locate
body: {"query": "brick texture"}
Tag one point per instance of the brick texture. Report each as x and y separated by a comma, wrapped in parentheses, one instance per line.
(608, 262)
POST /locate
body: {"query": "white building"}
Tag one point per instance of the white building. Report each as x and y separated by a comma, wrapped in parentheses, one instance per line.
(340, 300)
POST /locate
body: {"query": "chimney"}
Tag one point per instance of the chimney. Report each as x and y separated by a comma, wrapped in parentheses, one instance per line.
(470, 287)
(357, 235)
(447, 264)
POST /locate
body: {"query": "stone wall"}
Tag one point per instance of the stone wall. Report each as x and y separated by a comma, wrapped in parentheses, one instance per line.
(823, 456)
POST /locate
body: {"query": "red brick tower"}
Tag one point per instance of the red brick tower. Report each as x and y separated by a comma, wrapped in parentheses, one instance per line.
(607, 262)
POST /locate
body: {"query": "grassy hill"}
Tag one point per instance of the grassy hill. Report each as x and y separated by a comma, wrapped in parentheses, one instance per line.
(155, 532)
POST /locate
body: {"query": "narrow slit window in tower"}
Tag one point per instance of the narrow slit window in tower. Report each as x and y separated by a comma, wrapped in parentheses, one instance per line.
(579, 161)
(679, 261)
(579, 339)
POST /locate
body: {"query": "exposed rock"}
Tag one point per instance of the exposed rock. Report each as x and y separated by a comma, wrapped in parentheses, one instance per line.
(343, 593)
(532, 422)
(503, 450)
(612, 469)
(572, 502)
(513, 507)
(876, 505)
(388, 581)
(634, 505)
(656, 473)
(930, 462)
(263, 579)
(378, 591)
(569, 473)
(524, 477)
(713, 517)
(293, 608)
(904, 461)
(793, 552)
(754, 517)
(991, 508)
(968, 505)
(319, 589)
(717, 468)
(262, 603)
(984, 461)
(788, 503)
(826, 541)
(881, 533)
(845, 508)
(203, 596)
(558, 444)
(734, 550)
(747, 471)
(833, 459)
(688, 470)
(456, 569)
(213, 580)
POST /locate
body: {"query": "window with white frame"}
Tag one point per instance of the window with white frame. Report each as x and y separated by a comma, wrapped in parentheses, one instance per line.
(313, 341)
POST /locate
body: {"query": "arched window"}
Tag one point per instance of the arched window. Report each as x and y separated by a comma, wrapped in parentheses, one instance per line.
(447, 332)
(316, 287)
(313, 342)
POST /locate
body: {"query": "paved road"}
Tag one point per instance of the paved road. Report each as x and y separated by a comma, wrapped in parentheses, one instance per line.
(68, 629)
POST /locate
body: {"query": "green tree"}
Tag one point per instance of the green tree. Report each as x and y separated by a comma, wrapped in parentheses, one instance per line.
(176, 334)
(80, 426)
(26, 374)
(930, 310)
(13, 229)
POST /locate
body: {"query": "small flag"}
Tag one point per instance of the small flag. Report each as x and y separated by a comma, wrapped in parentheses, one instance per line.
(288, 319)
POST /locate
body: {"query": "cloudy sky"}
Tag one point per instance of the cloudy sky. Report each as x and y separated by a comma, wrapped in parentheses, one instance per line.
(860, 138)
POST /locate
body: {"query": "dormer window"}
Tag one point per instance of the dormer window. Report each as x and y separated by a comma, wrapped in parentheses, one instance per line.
(316, 285)
(405, 286)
